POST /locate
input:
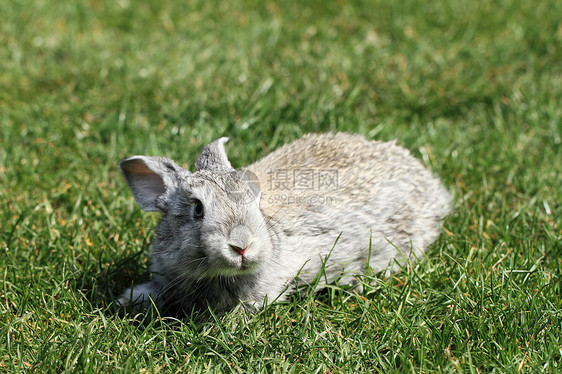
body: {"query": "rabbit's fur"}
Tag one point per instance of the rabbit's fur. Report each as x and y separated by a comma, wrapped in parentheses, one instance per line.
(322, 203)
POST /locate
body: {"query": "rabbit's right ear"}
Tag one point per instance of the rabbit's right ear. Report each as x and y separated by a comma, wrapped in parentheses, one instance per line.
(151, 180)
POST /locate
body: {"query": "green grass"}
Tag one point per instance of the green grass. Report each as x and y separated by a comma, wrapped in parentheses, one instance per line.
(472, 88)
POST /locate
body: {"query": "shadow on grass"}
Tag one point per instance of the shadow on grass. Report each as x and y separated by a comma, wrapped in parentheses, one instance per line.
(102, 284)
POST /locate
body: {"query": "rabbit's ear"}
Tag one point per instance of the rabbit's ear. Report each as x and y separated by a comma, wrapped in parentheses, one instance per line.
(213, 157)
(151, 180)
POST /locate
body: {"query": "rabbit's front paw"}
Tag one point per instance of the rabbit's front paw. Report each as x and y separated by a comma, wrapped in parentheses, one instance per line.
(138, 297)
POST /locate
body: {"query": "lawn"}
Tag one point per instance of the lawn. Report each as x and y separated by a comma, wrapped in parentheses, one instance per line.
(472, 88)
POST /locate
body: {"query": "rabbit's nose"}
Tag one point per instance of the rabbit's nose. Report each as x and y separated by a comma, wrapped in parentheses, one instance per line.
(240, 239)
(238, 249)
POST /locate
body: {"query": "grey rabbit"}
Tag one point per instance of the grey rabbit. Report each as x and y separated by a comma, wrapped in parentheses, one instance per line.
(324, 203)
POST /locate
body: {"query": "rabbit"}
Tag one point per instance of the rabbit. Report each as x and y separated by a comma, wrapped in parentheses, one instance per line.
(330, 203)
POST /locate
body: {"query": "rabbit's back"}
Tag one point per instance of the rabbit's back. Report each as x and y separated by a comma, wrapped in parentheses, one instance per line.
(363, 193)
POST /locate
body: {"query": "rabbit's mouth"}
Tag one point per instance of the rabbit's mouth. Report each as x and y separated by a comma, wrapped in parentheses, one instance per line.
(245, 265)
(242, 266)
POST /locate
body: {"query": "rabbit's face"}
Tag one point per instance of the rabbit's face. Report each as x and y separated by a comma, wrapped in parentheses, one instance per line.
(213, 228)
(212, 224)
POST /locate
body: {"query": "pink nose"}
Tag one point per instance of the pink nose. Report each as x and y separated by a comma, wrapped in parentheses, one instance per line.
(238, 250)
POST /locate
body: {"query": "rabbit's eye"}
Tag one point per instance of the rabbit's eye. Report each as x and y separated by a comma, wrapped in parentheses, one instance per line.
(198, 209)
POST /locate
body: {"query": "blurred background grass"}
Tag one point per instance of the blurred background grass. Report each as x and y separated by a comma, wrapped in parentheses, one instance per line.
(473, 88)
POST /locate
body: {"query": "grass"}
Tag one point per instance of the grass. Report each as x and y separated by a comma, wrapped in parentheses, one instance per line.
(472, 88)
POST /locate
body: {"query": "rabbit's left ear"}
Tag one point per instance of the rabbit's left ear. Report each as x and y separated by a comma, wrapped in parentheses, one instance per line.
(213, 157)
